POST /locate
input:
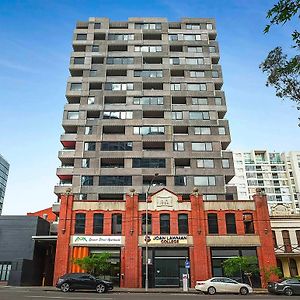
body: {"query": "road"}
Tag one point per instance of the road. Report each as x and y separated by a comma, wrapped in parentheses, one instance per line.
(38, 294)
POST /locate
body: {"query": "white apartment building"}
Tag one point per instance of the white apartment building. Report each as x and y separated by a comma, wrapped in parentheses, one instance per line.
(276, 174)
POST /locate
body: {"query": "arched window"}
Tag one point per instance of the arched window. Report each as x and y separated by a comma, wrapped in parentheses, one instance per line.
(98, 223)
(293, 267)
(149, 229)
(183, 224)
(80, 223)
(116, 224)
(164, 224)
(286, 241)
(230, 223)
(248, 223)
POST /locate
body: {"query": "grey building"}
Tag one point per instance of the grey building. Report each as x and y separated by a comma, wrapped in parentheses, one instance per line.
(144, 97)
(4, 168)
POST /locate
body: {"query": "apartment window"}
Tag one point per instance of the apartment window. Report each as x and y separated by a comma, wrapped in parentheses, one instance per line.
(89, 146)
(97, 26)
(148, 73)
(93, 73)
(149, 227)
(197, 74)
(210, 197)
(164, 223)
(119, 86)
(151, 26)
(5, 268)
(195, 61)
(274, 239)
(82, 196)
(73, 115)
(215, 74)
(192, 37)
(180, 180)
(148, 100)
(196, 87)
(212, 220)
(286, 241)
(202, 130)
(178, 146)
(144, 130)
(85, 163)
(175, 87)
(81, 37)
(205, 180)
(248, 223)
(199, 101)
(98, 223)
(221, 130)
(183, 224)
(123, 115)
(87, 180)
(91, 100)
(193, 26)
(177, 115)
(174, 61)
(212, 49)
(202, 146)
(225, 164)
(95, 48)
(115, 180)
(173, 37)
(209, 26)
(205, 163)
(76, 86)
(116, 146)
(78, 60)
(80, 223)
(148, 163)
(199, 115)
(230, 223)
(116, 224)
(120, 37)
(88, 130)
(195, 49)
(147, 48)
(119, 60)
(218, 101)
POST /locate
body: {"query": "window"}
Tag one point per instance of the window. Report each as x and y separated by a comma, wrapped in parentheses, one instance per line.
(148, 73)
(175, 86)
(97, 26)
(117, 115)
(215, 74)
(149, 228)
(205, 180)
(153, 130)
(152, 26)
(147, 48)
(248, 223)
(230, 223)
(98, 223)
(120, 37)
(164, 223)
(180, 180)
(218, 101)
(202, 130)
(174, 61)
(209, 26)
(205, 163)
(192, 37)
(173, 37)
(225, 163)
(199, 101)
(81, 37)
(87, 180)
(115, 180)
(148, 100)
(78, 60)
(80, 223)
(93, 73)
(76, 86)
(82, 196)
(183, 224)
(286, 241)
(293, 269)
(212, 220)
(5, 268)
(178, 146)
(274, 239)
(95, 48)
(195, 61)
(116, 146)
(199, 115)
(73, 115)
(119, 86)
(91, 100)
(195, 49)
(116, 224)
(196, 87)
(88, 130)
(85, 163)
(89, 146)
(119, 60)
(202, 146)
(177, 115)
(212, 49)
(222, 130)
(193, 26)
(148, 163)
(197, 74)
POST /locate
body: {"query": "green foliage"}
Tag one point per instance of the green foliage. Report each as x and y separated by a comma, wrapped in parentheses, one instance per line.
(269, 271)
(96, 264)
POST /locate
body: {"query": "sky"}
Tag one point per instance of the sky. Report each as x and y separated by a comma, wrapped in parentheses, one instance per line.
(36, 42)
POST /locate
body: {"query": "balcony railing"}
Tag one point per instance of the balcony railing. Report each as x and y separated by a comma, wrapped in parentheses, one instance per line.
(291, 248)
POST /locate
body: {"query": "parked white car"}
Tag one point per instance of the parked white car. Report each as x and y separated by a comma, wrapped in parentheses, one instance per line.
(223, 285)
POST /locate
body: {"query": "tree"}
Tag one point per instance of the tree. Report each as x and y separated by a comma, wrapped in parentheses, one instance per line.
(283, 72)
(269, 272)
(243, 265)
(96, 264)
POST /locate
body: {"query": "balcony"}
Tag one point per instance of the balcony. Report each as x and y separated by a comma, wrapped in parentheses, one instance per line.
(288, 249)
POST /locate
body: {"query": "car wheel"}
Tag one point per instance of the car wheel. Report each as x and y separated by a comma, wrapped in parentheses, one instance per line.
(288, 292)
(65, 287)
(100, 288)
(244, 291)
(71, 290)
(211, 290)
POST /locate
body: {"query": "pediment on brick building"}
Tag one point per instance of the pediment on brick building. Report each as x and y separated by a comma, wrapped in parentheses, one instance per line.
(281, 209)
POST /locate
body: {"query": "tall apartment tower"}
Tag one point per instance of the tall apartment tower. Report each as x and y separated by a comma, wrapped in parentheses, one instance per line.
(4, 168)
(145, 97)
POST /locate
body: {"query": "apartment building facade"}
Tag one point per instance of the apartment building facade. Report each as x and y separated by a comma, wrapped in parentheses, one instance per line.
(4, 169)
(276, 174)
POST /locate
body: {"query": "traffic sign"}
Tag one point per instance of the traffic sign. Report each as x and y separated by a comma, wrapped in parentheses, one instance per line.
(187, 264)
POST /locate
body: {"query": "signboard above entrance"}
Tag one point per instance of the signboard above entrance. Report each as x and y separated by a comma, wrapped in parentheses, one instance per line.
(166, 239)
(96, 240)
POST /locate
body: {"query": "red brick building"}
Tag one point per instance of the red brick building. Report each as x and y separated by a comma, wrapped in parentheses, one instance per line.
(203, 232)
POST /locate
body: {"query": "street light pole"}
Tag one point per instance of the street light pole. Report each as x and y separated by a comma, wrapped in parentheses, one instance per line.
(146, 232)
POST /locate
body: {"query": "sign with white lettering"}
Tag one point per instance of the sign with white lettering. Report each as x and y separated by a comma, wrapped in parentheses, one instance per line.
(167, 239)
(96, 240)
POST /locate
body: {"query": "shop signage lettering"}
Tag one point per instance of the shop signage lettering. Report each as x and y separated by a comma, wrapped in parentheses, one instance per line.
(167, 239)
(96, 240)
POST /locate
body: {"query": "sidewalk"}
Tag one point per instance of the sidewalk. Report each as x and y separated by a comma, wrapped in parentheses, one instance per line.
(125, 290)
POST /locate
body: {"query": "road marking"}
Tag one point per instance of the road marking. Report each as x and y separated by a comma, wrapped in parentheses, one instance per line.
(59, 297)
